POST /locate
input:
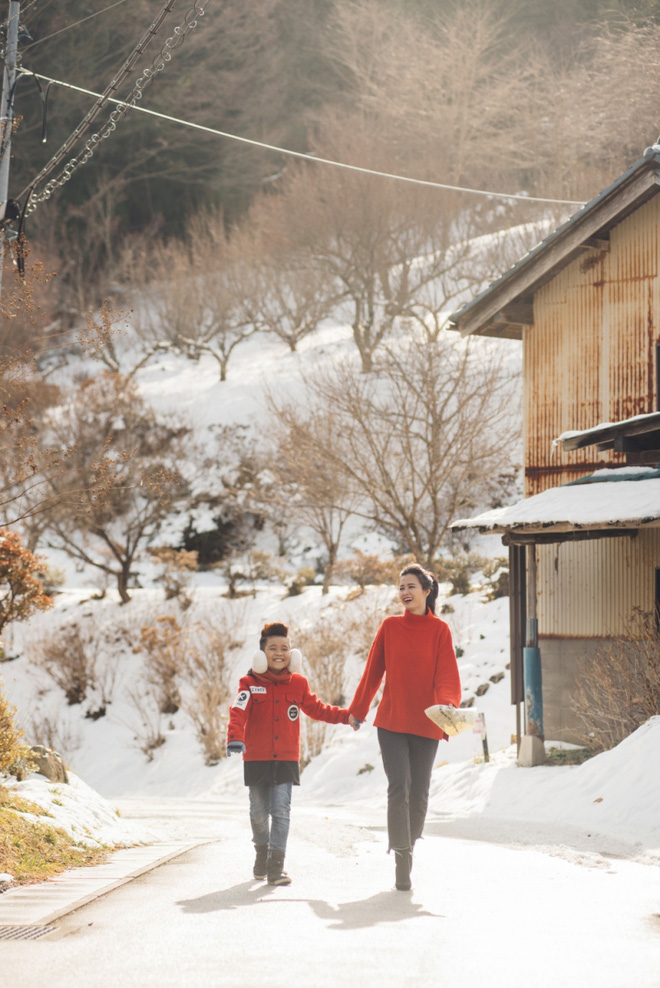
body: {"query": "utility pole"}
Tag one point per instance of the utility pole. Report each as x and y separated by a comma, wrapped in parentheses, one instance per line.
(7, 115)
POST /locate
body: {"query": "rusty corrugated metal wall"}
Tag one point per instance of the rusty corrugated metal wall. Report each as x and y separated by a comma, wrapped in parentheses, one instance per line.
(594, 588)
(590, 356)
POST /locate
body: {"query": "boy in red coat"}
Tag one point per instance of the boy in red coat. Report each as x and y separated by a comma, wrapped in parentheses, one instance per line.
(264, 725)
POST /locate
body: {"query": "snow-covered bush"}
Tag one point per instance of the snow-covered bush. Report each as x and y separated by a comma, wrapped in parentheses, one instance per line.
(177, 568)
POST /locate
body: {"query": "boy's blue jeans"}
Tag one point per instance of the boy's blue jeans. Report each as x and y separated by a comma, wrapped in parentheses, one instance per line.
(270, 811)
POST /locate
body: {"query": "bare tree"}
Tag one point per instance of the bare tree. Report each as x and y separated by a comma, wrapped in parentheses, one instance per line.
(108, 337)
(122, 478)
(30, 345)
(290, 301)
(383, 247)
(288, 293)
(313, 490)
(194, 293)
(431, 435)
(449, 88)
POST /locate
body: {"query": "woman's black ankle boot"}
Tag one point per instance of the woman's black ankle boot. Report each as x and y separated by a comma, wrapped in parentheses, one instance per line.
(403, 867)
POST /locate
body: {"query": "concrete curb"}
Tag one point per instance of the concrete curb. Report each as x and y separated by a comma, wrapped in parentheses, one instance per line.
(41, 904)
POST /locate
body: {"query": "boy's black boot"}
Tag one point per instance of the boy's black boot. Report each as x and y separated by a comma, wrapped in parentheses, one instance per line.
(275, 865)
(260, 862)
(403, 867)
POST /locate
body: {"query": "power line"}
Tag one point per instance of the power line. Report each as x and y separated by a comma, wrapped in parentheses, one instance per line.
(158, 63)
(32, 4)
(75, 24)
(309, 157)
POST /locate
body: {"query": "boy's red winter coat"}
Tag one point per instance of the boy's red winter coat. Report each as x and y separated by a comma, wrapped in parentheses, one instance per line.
(265, 716)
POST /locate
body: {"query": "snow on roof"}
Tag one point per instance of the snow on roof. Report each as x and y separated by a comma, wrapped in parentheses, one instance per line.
(622, 424)
(616, 475)
(598, 505)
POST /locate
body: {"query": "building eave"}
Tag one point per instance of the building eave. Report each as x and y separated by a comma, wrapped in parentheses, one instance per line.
(568, 513)
(494, 311)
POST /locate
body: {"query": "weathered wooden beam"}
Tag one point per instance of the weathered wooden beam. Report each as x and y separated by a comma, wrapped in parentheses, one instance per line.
(597, 243)
(572, 535)
(649, 423)
(520, 313)
(633, 444)
(649, 458)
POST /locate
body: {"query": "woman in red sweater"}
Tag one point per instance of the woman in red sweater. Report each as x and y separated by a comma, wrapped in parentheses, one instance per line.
(416, 655)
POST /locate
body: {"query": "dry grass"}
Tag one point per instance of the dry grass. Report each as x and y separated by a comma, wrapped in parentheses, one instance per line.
(186, 668)
(13, 750)
(54, 732)
(208, 676)
(327, 645)
(69, 657)
(32, 851)
(618, 689)
(147, 726)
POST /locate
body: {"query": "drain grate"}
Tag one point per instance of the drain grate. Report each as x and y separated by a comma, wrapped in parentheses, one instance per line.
(24, 932)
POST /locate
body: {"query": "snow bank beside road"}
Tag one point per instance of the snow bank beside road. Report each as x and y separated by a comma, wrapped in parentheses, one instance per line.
(616, 792)
(80, 811)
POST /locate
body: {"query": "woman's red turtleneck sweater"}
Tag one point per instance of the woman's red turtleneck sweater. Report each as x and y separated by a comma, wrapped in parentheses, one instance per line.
(416, 655)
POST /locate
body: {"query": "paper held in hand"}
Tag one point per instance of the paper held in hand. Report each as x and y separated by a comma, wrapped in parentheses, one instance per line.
(452, 720)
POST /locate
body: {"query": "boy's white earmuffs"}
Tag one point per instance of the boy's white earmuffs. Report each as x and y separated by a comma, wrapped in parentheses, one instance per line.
(260, 662)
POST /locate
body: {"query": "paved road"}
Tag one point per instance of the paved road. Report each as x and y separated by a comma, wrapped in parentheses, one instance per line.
(479, 914)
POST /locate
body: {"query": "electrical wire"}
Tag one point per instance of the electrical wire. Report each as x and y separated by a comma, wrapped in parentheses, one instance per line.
(29, 7)
(40, 41)
(101, 99)
(309, 157)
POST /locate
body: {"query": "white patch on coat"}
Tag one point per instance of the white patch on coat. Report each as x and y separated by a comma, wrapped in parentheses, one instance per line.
(293, 712)
(258, 689)
(241, 700)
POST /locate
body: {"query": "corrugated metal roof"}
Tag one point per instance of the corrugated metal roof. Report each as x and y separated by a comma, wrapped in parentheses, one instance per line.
(610, 206)
(598, 507)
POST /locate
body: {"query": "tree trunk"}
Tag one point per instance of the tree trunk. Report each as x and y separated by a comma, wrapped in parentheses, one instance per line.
(122, 583)
(367, 360)
(327, 575)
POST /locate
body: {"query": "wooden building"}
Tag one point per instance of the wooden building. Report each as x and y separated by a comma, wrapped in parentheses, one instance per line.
(586, 304)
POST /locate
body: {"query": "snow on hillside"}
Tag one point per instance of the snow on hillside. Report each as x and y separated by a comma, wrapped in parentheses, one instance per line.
(614, 793)
(103, 751)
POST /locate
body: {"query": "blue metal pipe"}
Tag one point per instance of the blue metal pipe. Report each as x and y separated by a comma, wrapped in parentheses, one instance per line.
(533, 690)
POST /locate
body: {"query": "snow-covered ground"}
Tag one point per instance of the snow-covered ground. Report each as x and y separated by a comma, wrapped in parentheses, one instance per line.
(615, 794)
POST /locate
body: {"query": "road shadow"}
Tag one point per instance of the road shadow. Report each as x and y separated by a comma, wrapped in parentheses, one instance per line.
(245, 894)
(383, 907)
